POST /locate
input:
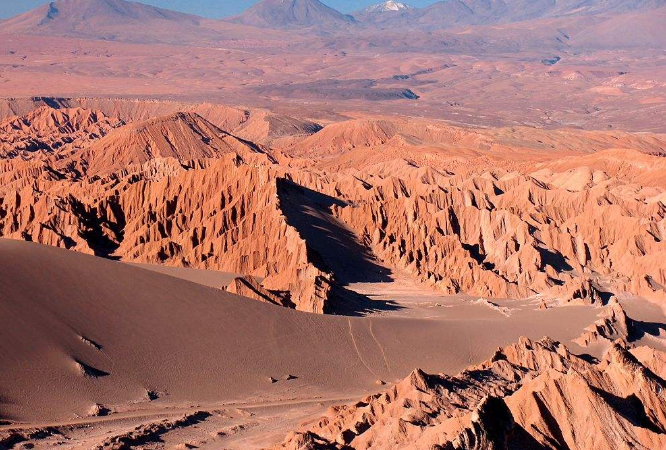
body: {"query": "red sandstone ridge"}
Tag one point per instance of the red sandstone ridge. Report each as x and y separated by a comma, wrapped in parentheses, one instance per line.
(47, 131)
(181, 136)
(178, 190)
(533, 394)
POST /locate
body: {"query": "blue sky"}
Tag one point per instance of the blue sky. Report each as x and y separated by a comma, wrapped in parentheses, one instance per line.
(207, 8)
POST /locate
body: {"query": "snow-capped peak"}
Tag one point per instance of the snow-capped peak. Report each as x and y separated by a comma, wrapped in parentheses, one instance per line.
(389, 5)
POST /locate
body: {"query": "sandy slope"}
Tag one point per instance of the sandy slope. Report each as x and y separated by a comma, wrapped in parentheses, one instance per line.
(191, 343)
(210, 278)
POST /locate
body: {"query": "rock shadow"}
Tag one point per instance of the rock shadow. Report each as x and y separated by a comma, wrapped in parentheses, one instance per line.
(331, 245)
(630, 408)
(350, 303)
(333, 248)
(639, 329)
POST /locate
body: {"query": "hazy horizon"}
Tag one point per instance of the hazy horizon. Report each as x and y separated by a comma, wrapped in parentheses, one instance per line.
(213, 9)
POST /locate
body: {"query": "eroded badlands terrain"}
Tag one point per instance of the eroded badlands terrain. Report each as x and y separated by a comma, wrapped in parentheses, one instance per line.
(447, 241)
(435, 228)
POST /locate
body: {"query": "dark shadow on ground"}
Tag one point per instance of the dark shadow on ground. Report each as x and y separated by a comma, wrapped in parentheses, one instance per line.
(640, 328)
(350, 303)
(333, 246)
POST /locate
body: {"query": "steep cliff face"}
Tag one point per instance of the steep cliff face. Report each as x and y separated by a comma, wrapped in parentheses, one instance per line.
(511, 234)
(533, 394)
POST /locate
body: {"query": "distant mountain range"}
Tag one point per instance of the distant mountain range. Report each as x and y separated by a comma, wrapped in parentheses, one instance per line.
(383, 12)
(450, 13)
(389, 6)
(287, 14)
(121, 20)
(641, 21)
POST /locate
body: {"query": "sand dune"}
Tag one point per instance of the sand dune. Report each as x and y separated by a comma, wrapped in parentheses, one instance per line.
(181, 136)
(79, 337)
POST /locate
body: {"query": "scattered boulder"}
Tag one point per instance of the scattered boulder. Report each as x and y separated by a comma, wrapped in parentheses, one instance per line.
(98, 410)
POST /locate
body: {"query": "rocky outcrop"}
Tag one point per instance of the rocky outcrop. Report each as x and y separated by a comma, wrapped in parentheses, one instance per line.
(613, 324)
(533, 394)
(615, 403)
(490, 428)
(249, 287)
(47, 131)
(581, 291)
(178, 190)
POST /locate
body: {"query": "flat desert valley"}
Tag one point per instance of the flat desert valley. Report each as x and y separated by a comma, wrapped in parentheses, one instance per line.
(429, 228)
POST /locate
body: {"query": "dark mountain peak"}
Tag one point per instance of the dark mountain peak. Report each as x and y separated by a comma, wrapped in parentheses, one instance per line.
(79, 16)
(293, 14)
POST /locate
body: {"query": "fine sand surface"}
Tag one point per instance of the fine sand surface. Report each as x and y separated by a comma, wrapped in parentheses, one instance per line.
(210, 278)
(80, 330)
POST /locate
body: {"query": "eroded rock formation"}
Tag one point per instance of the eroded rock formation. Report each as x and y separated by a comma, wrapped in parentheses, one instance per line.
(46, 131)
(533, 394)
(178, 190)
(613, 324)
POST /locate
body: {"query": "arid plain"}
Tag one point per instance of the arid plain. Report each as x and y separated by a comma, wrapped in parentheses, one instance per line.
(402, 228)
